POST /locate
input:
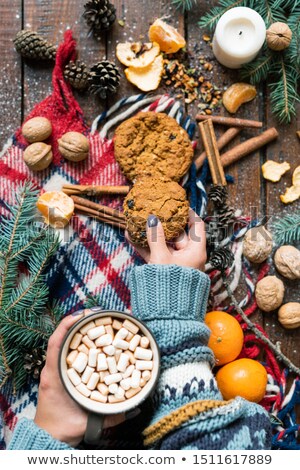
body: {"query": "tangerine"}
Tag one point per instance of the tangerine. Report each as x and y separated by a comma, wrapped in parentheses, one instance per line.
(245, 378)
(56, 207)
(226, 339)
(166, 36)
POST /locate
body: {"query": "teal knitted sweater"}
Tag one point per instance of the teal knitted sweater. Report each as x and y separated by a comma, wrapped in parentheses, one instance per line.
(189, 410)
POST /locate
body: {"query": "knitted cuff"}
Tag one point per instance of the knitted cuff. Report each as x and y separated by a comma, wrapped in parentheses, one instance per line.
(169, 292)
(28, 436)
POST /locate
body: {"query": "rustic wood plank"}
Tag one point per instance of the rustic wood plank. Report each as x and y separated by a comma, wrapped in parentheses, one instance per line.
(11, 69)
(51, 19)
(286, 148)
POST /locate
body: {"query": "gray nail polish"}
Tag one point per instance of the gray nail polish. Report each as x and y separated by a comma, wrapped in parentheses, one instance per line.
(96, 309)
(78, 312)
(152, 221)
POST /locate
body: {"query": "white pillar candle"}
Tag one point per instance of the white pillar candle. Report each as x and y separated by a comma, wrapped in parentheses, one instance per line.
(239, 36)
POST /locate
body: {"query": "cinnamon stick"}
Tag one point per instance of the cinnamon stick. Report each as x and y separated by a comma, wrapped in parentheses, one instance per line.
(97, 207)
(91, 190)
(230, 121)
(229, 135)
(249, 146)
(102, 217)
(212, 152)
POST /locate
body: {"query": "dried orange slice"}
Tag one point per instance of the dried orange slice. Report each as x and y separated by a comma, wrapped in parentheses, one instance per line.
(291, 194)
(137, 54)
(238, 94)
(166, 36)
(273, 171)
(296, 177)
(56, 207)
(146, 78)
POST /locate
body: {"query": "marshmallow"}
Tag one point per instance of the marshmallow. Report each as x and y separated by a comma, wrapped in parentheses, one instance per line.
(114, 399)
(130, 354)
(122, 333)
(120, 393)
(117, 325)
(144, 365)
(87, 327)
(83, 390)
(134, 342)
(87, 374)
(76, 340)
(146, 375)
(131, 327)
(120, 343)
(74, 377)
(126, 384)
(103, 321)
(123, 362)
(92, 383)
(104, 340)
(128, 371)
(118, 353)
(103, 389)
(133, 391)
(71, 357)
(135, 378)
(96, 332)
(112, 365)
(98, 396)
(88, 342)
(141, 353)
(113, 378)
(109, 330)
(113, 388)
(144, 342)
(93, 355)
(80, 362)
(84, 349)
(109, 350)
(103, 374)
(101, 362)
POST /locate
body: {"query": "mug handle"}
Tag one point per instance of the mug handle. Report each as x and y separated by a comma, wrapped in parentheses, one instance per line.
(93, 429)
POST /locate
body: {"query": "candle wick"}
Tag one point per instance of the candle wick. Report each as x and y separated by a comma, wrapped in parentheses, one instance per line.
(240, 33)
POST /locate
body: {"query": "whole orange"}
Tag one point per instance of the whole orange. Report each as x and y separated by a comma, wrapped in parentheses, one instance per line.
(226, 339)
(245, 378)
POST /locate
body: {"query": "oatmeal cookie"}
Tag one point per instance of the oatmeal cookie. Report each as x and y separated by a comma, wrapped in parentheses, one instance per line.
(158, 196)
(152, 144)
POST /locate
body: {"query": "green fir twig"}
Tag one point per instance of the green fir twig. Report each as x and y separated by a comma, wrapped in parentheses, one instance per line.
(287, 230)
(184, 5)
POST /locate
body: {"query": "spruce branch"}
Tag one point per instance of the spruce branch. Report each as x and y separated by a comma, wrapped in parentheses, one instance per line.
(258, 70)
(211, 18)
(287, 230)
(184, 5)
(284, 95)
(274, 347)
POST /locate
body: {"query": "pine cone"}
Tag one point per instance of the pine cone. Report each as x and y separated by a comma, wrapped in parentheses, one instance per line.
(104, 79)
(32, 46)
(218, 195)
(100, 16)
(34, 362)
(221, 259)
(77, 74)
(225, 216)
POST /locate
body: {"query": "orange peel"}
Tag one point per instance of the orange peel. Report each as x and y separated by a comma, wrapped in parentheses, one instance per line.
(273, 171)
(56, 207)
(146, 78)
(137, 54)
(168, 38)
(238, 94)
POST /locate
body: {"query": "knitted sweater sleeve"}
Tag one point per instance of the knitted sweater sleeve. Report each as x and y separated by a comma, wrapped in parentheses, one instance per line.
(28, 436)
(189, 410)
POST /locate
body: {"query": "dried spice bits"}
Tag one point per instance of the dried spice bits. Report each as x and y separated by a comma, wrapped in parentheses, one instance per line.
(109, 361)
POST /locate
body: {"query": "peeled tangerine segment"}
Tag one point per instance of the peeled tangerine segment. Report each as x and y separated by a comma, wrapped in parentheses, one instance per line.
(291, 194)
(56, 207)
(273, 171)
(238, 94)
(146, 78)
(166, 36)
(136, 54)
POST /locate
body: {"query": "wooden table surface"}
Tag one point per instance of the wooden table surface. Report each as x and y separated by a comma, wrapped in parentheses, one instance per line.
(23, 84)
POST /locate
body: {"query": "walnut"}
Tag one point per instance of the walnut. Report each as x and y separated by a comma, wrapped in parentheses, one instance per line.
(279, 36)
(287, 261)
(37, 129)
(38, 156)
(289, 315)
(74, 146)
(269, 293)
(257, 244)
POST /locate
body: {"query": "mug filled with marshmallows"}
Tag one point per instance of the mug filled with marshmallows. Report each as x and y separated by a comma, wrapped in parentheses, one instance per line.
(109, 364)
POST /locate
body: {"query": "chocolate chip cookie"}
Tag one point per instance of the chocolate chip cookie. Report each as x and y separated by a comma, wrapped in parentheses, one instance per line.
(152, 144)
(158, 196)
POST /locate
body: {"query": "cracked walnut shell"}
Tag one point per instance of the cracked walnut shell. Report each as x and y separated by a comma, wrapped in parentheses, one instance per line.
(257, 244)
(74, 146)
(38, 156)
(269, 293)
(287, 262)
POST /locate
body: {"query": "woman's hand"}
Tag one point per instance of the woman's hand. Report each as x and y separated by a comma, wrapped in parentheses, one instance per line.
(57, 413)
(188, 250)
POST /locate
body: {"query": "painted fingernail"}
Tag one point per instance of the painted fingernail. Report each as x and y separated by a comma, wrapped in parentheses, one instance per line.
(152, 221)
(96, 309)
(78, 312)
